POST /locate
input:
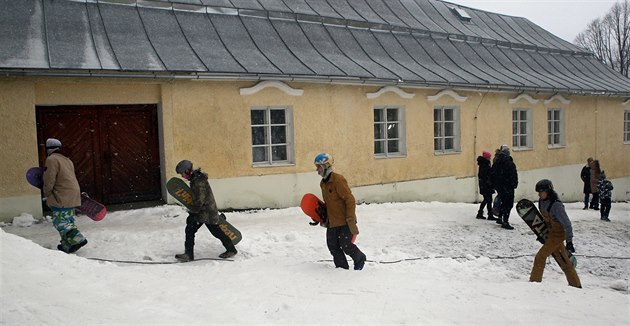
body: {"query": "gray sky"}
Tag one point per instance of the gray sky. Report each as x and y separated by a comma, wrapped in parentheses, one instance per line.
(563, 18)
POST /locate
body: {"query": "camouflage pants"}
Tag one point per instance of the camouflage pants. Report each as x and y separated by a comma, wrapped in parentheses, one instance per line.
(63, 221)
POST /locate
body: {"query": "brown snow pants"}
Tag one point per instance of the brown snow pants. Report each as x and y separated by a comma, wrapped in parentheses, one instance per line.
(554, 245)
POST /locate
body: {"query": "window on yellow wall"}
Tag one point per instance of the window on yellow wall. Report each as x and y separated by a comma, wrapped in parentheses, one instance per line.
(626, 127)
(389, 135)
(446, 135)
(272, 136)
(521, 129)
(555, 128)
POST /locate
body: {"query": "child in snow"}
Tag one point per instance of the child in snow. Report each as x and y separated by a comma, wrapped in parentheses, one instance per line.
(340, 208)
(203, 211)
(560, 229)
(62, 192)
(485, 186)
(605, 188)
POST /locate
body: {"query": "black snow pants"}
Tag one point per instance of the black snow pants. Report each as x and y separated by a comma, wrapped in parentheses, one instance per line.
(191, 229)
(339, 242)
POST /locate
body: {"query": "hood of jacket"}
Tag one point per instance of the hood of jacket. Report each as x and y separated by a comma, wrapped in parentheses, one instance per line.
(482, 161)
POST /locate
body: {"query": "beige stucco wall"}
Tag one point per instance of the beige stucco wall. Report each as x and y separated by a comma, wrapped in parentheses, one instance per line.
(208, 122)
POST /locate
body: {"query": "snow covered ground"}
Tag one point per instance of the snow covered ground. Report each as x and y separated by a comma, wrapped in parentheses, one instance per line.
(430, 264)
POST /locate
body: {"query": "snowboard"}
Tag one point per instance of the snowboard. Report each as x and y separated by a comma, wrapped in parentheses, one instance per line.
(534, 219)
(90, 207)
(314, 208)
(178, 188)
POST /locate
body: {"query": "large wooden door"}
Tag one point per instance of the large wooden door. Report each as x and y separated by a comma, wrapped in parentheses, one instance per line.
(115, 148)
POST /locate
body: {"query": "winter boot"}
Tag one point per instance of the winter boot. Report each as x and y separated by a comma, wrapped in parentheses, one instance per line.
(77, 246)
(491, 217)
(228, 254)
(499, 220)
(184, 258)
(507, 226)
(480, 215)
(359, 262)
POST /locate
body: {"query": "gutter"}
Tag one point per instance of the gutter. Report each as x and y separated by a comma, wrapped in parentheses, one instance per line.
(335, 80)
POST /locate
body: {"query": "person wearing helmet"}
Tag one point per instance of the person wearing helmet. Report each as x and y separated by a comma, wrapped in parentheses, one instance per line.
(63, 194)
(560, 229)
(203, 211)
(340, 208)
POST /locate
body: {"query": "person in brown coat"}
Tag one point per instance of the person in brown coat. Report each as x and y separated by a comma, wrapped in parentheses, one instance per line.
(63, 195)
(340, 208)
(595, 172)
(560, 229)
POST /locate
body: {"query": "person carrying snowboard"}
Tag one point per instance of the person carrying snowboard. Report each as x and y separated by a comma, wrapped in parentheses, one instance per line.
(340, 208)
(485, 186)
(560, 229)
(203, 211)
(63, 194)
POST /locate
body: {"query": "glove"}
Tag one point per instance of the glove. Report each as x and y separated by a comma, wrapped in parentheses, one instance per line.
(569, 247)
(353, 227)
(321, 211)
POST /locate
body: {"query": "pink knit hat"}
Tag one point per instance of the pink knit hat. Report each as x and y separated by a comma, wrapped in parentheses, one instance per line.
(486, 155)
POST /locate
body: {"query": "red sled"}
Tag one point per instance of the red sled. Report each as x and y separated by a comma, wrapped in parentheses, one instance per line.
(314, 208)
(90, 207)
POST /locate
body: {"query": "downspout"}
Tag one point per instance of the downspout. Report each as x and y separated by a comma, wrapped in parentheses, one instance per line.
(483, 95)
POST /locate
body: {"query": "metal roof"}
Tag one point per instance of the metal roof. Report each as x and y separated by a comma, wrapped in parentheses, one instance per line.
(383, 42)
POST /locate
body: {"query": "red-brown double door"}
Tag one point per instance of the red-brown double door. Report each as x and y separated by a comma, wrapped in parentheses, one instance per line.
(114, 148)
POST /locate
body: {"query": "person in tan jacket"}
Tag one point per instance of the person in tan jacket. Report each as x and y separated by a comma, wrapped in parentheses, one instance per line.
(560, 229)
(63, 195)
(340, 208)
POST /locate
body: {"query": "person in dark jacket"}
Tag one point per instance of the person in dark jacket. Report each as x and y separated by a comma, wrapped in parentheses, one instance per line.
(585, 175)
(504, 178)
(203, 211)
(560, 229)
(63, 194)
(341, 217)
(605, 188)
(595, 171)
(485, 186)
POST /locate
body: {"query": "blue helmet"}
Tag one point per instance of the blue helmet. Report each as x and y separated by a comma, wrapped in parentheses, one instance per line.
(324, 159)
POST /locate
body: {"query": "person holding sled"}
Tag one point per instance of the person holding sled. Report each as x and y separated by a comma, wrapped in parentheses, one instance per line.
(203, 211)
(340, 208)
(485, 186)
(63, 194)
(560, 229)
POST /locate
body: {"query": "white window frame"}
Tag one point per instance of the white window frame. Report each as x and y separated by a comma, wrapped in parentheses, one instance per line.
(439, 137)
(626, 127)
(522, 129)
(386, 125)
(267, 125)
(555, 128)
